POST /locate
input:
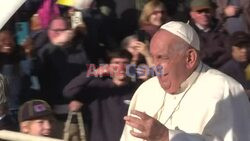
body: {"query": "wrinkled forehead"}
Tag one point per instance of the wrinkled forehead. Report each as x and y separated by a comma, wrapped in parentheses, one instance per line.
(165, 40)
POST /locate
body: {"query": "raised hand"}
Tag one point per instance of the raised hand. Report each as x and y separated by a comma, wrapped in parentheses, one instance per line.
(142, 48)
(231, 11)
(146, 127)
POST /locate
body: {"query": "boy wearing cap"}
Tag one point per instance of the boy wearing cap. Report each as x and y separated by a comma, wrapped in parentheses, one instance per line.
(237, 66)
(214, 40)
(189, 101)
(35, 117)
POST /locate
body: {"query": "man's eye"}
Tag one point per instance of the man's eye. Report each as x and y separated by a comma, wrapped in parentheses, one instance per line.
(165, 58)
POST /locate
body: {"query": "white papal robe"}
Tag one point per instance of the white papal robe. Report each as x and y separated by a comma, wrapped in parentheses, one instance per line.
(210, 106)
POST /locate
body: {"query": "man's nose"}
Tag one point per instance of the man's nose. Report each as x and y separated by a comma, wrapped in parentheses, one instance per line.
(121, 66)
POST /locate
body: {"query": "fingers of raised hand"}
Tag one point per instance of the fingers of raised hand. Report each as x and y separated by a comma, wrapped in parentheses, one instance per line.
(142, 115)
(149, 128)
(141, 128)
(138, 135)
(135, 122)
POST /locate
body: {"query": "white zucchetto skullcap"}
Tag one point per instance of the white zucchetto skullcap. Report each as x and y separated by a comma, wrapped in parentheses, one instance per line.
(184, 31)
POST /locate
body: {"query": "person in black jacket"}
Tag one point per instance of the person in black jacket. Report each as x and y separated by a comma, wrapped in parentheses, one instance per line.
(61, 60)
(107, 99)
(214, 43)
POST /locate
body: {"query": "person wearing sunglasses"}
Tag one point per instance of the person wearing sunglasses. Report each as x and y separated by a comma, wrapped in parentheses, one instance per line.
(214, 40)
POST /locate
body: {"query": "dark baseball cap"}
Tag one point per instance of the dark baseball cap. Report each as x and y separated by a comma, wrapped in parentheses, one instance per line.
(196, 5)
(240, 39)
(34, 109)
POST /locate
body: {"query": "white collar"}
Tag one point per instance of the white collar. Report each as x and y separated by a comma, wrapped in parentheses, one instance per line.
(191, 79)
(202, 28)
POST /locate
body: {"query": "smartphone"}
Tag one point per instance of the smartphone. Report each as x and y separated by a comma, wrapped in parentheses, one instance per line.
(141, 35)
(22, 32)
(76, 19)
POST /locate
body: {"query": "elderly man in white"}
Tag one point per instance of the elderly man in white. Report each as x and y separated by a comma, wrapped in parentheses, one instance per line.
(189, 101)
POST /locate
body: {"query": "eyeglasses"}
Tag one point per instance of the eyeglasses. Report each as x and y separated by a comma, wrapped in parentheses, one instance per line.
(157, 12)
(206, 11)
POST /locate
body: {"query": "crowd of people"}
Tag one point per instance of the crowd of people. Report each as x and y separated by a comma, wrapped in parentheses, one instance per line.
(178, 69)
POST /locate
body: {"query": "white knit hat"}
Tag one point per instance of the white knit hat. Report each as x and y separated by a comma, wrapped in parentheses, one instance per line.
(184, 31)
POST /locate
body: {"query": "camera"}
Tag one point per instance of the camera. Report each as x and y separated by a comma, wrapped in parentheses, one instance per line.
(141, 35)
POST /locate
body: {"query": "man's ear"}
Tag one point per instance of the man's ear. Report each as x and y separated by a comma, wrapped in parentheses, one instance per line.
(192, 14)
(191, 59)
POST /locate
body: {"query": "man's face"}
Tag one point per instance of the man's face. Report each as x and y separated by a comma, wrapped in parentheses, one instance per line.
(240, 54)
(39, 127)
(7, 43)
(58, 32)
(165, 53)
(118, 68)
(201, 17)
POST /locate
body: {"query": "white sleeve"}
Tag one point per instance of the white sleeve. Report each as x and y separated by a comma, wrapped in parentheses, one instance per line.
(126, 136)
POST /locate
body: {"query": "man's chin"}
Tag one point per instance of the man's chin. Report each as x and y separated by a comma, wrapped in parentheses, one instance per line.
(167, 88)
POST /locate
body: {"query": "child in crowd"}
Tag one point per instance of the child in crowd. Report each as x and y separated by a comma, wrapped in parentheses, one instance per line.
(35, 118)
(238, 66)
